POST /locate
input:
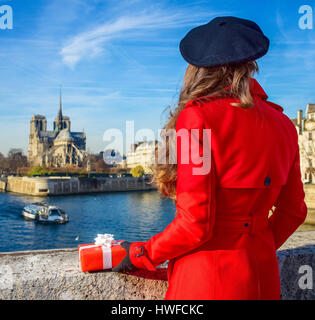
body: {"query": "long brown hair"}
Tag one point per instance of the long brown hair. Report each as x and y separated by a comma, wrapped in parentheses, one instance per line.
(201, 82)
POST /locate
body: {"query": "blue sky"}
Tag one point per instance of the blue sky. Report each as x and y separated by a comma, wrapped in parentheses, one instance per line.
(119, 60)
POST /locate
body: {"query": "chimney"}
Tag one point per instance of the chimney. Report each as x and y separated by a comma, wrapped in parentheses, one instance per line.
(299, 118)
(303, 125)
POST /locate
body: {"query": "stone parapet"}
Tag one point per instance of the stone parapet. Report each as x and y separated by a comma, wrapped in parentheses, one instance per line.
(55, 275)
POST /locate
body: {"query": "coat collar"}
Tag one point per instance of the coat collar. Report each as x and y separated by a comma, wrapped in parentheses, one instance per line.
(255, 89)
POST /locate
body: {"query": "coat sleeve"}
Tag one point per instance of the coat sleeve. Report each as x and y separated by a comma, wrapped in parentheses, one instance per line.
(194, 221)
(291, 210)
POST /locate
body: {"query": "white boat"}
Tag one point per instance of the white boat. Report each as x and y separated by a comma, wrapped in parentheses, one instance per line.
(44, 213)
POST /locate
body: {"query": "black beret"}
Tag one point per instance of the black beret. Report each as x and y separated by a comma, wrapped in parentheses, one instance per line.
(224, 40)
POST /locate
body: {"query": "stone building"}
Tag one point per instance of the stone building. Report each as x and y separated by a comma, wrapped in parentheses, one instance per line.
(305, 127)
(56, 148)
(141, 154)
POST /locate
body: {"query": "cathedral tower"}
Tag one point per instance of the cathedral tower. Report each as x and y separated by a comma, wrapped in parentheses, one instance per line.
(61, 122)
(58, 147)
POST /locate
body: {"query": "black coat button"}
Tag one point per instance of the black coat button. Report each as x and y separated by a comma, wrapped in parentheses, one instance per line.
(267, 182)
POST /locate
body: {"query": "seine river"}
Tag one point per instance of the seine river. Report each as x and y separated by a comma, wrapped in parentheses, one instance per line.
(132, 216)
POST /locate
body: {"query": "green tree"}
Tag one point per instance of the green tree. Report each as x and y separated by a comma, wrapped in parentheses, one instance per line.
(38, 171)
(137, 172)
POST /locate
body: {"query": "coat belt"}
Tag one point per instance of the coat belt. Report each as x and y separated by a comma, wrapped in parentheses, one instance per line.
(250, 224)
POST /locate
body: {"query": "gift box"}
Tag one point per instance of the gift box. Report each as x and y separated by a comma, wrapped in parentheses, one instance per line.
(96, 257)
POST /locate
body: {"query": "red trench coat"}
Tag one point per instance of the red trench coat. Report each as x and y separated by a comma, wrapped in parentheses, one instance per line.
(222, 245)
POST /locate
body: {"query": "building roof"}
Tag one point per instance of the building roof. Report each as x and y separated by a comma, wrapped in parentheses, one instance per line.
(63, 118)
(38, 117)
(47, 134)
(66, 135)
(78, 135)
(310, 108)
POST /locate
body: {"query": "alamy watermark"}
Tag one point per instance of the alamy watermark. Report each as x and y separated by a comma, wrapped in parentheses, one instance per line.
(194, 149)
(306, 20)
(306, 280)
(6, 17)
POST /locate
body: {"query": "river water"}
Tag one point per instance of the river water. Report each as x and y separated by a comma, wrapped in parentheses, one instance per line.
(132, 216)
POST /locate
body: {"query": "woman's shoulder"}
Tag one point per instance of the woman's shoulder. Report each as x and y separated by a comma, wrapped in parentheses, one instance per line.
(278, 112)
(275, 106)
(191, 117)
(203, 110)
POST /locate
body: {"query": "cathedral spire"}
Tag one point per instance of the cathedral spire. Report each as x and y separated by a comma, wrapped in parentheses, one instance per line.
(60, 117)
(60, 106)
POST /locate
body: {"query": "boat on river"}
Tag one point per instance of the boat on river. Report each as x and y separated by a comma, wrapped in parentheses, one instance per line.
(45, 213)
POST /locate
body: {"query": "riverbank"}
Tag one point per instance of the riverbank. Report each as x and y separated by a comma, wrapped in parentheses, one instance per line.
(58, 186)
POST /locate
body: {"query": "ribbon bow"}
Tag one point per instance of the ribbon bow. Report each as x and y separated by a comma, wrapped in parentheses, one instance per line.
(105, 240)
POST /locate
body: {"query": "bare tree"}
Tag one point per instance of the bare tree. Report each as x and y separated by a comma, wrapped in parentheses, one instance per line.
(16, 159)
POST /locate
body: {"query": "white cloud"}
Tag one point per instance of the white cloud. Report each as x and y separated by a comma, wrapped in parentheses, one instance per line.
(91, 43)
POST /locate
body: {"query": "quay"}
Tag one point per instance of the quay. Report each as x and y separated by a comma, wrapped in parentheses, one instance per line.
(55, 186)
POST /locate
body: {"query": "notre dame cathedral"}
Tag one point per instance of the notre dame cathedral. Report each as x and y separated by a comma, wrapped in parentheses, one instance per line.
(57, 148)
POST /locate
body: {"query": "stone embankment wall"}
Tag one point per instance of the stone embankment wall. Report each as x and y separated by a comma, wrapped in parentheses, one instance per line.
(310, 195)
(55, 274)
(3, 184)
(50, 186)
(53, 186)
